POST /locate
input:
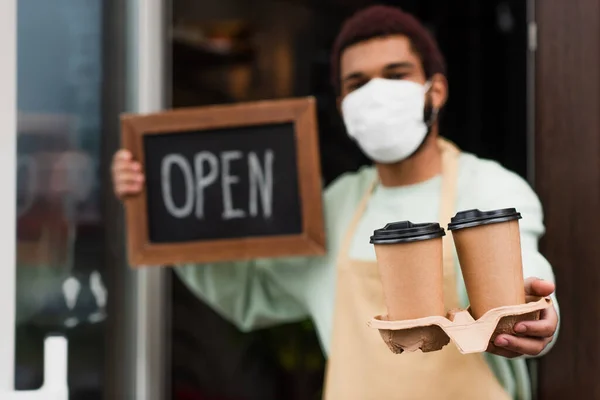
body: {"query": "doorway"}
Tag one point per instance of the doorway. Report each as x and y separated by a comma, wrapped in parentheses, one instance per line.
(233, 51)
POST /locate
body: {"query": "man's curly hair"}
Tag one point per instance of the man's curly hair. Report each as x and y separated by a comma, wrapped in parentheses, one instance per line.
(381, 21)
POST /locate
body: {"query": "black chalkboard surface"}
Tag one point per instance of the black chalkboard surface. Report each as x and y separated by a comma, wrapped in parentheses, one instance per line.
(225, 183)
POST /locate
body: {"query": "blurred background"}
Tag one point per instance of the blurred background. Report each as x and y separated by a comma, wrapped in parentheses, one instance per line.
(75, 77)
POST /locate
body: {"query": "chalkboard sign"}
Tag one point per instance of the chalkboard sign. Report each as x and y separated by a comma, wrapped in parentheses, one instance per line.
(227, 182)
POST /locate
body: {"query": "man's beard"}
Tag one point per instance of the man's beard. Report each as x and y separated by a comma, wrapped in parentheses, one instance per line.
(430, 118)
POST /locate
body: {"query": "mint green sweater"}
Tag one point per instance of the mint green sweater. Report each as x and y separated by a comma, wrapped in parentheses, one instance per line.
(265, 292)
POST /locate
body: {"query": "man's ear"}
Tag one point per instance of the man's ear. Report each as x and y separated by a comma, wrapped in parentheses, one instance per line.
(438, 91)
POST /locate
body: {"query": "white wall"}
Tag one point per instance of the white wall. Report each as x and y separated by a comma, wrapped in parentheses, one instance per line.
(8, 133)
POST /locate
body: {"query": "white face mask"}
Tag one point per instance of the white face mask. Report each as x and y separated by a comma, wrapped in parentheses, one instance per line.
(385, 117)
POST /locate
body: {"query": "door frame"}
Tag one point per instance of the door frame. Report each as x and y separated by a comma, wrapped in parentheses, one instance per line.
(567, 180)
(152, 319)
(135, 76)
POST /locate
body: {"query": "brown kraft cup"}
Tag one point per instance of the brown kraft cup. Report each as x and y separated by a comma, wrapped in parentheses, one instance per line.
(410, 266)
(489, 250)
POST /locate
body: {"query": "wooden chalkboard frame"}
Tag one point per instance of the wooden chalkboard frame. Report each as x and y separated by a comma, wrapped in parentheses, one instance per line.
(311, 241)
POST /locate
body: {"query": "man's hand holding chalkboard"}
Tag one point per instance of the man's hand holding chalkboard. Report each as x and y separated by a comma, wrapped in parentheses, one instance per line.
(221, 183)
(127, 174)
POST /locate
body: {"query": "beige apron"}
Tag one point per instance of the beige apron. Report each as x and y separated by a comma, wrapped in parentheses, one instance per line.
(361, 367)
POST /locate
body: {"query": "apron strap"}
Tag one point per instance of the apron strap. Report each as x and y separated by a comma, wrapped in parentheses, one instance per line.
(344, 251)
(450, 157)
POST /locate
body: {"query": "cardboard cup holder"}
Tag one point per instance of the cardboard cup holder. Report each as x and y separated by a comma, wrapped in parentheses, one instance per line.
(469, 335)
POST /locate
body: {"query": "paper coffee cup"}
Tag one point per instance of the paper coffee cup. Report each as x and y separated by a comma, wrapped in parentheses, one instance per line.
(411, 270)
(488, 244)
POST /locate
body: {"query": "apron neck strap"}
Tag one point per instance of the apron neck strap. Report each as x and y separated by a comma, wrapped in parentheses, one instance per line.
(450, 156)
(450, 159)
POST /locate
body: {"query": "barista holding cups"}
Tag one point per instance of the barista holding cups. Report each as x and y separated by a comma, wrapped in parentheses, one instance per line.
(390, 78)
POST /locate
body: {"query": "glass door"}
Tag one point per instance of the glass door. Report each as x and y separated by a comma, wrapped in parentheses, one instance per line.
(65, 80)
(55, 348)
(60, 271)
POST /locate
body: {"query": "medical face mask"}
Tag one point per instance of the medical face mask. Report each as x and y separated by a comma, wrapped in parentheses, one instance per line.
(385, 117)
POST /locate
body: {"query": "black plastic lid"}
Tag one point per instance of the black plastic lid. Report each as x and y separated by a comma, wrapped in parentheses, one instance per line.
(406, 231)
(472, 218)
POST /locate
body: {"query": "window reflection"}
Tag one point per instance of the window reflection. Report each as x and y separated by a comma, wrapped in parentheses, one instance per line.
(59, 229)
